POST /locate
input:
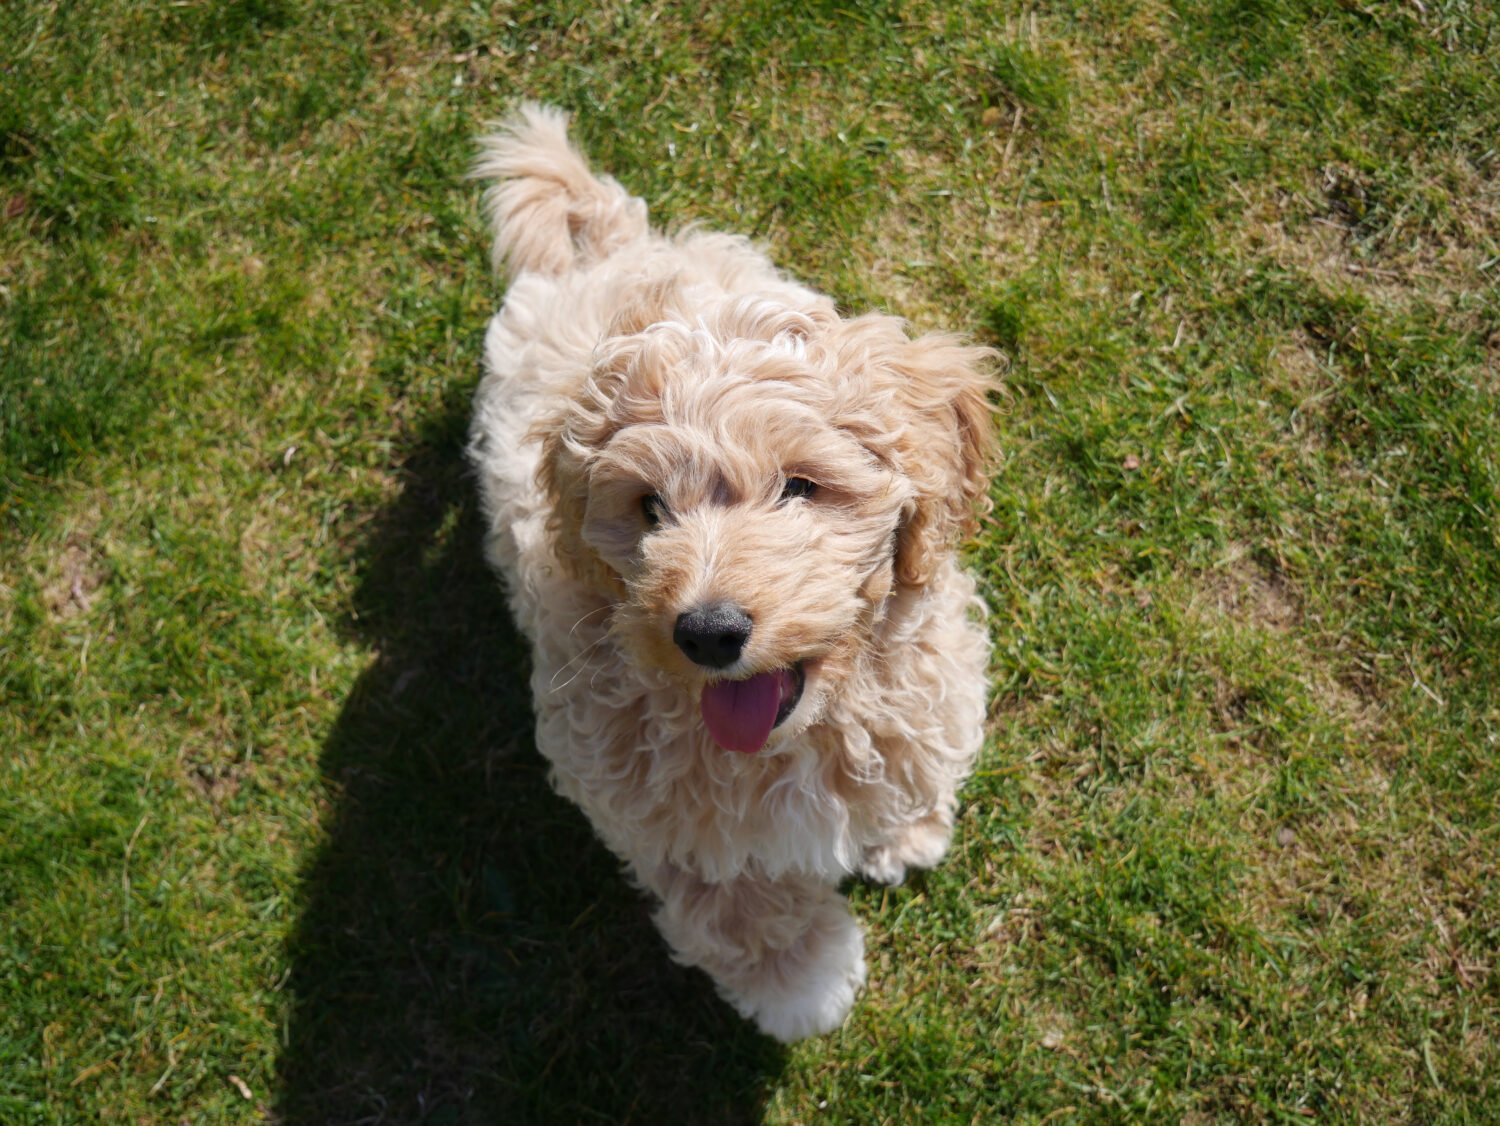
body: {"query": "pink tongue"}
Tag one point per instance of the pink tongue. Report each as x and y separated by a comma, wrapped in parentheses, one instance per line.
(741, 713)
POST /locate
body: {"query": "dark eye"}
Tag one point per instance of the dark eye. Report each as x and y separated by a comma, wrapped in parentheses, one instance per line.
(652, 509)
(798, 487)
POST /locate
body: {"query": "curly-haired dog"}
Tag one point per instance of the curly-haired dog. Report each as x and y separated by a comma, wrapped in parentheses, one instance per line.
(725, 518)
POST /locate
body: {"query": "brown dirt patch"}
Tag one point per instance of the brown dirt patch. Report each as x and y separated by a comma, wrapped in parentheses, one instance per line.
(75, 574)
(1252, 591)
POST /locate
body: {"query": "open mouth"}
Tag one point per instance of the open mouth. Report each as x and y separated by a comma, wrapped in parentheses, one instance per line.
(793, 696)
(741, 714)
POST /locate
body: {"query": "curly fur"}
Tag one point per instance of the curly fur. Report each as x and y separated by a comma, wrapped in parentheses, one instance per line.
(625, 363)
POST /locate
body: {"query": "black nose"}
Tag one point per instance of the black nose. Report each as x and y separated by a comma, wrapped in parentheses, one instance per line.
(712, 636)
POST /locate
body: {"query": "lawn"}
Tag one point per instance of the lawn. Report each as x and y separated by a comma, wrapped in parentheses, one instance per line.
(275, 845)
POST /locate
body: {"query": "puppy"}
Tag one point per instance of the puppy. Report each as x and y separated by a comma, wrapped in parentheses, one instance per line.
(725, 518)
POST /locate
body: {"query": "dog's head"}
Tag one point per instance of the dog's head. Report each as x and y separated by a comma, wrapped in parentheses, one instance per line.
(751, 482)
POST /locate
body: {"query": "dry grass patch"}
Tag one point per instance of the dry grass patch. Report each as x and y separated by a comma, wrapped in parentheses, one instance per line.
(77, 571)
(1323, 232)
(1252, 591)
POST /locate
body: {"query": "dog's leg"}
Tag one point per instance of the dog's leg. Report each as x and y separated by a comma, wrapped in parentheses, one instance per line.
(917, 844)
(785, 953)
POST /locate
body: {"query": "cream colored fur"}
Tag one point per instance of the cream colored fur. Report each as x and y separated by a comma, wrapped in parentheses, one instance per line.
(624, 363)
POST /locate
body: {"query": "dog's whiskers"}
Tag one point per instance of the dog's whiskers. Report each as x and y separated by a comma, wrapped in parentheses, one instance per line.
(580, 659)
(596, 610)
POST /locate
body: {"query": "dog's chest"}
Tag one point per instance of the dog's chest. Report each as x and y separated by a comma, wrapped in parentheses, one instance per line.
(635, 756)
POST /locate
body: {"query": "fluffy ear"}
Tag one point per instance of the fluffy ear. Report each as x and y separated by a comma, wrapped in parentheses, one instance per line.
(935, 390)
(571, 441)
(627, 364)
(563, 476)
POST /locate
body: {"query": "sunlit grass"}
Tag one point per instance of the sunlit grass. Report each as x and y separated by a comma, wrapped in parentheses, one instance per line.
(274, 844)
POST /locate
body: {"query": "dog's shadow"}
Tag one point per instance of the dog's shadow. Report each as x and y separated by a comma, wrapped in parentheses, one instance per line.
(467, 951)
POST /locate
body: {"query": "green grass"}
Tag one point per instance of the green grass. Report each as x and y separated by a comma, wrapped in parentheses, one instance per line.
(274, 842)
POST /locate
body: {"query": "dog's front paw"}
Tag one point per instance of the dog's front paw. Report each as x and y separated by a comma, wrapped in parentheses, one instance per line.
(883, 865)
(810, 990)
(920, 844)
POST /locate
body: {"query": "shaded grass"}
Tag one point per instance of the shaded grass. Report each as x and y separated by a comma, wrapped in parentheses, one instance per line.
(273, 820)
(453, 947)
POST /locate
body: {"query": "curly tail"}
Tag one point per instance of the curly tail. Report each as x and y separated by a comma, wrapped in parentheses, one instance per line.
(548, 211)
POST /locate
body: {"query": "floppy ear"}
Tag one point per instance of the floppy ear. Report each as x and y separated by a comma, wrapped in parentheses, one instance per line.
(935, 390)
(572, 440)
(628, 361)
(563, 476)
